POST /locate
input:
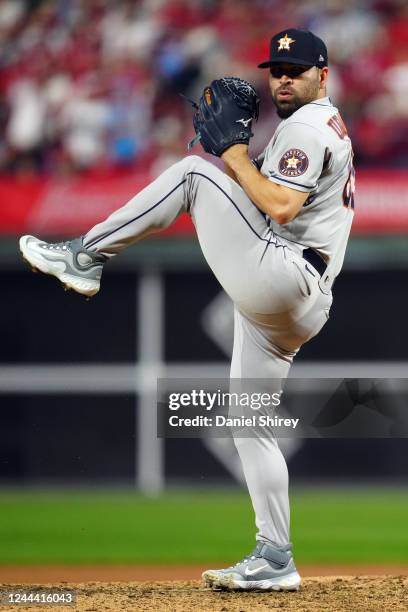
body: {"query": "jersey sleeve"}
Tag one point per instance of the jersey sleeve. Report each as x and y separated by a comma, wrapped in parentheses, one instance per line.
(296, 157)
(259, 160)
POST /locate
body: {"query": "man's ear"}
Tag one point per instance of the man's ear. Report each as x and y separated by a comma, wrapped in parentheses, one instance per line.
(323, 74)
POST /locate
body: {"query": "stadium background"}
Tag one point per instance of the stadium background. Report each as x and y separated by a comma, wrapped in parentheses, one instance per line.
(90, 111)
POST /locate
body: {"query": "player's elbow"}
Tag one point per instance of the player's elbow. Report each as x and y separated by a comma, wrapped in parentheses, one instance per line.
(278, 209)
(283, 214)
(283, 217)
(288, 209)
(284, 203)
(278, 202)
(279, 212)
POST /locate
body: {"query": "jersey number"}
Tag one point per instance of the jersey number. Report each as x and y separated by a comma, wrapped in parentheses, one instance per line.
(349, 188)
(337, 124)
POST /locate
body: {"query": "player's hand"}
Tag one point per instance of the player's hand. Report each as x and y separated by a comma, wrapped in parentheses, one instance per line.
(225, 114)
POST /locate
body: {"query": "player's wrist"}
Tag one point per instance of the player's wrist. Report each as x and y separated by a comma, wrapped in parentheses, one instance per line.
(235, 154)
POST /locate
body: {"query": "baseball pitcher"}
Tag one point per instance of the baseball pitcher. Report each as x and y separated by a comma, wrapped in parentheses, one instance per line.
(273, 230)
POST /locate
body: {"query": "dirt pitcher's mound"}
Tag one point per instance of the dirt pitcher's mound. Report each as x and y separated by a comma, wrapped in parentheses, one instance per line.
(324, 594)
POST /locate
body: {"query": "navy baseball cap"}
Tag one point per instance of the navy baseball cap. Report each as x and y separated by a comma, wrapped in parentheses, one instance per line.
(295, 46)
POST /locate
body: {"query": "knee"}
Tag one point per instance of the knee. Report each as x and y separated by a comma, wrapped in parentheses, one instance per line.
(196, 163)
(195, 168)
(200, 171)
(198, 174)
(195, 159)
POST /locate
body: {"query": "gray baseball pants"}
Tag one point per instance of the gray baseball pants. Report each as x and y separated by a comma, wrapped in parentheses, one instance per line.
(278, 304)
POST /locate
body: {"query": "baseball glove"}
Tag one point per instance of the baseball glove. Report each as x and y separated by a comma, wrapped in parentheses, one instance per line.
(224, 115)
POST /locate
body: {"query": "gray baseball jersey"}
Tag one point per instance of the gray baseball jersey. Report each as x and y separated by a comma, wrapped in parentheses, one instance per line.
(311, 152)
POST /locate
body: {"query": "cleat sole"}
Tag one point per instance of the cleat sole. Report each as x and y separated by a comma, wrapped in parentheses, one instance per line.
(227, 582)
(85, 287)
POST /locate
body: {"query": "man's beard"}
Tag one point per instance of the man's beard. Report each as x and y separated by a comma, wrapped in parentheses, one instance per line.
(286, 109)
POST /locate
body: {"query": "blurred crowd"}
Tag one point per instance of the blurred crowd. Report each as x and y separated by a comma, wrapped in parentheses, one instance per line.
(93, 85)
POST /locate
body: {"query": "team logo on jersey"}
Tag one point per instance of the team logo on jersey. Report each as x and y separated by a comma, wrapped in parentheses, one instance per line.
(285, 42)
(293, 163)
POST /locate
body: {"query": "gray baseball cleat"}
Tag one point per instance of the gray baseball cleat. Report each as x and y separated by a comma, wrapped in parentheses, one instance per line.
(76, 267)
(266, 568)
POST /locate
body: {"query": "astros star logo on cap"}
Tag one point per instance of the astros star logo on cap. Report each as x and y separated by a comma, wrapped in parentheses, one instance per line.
(285, 42)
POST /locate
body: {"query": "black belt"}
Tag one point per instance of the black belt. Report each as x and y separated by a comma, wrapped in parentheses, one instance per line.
(317, 262)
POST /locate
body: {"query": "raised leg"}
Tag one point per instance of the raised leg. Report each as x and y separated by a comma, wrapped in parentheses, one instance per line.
(249, 261)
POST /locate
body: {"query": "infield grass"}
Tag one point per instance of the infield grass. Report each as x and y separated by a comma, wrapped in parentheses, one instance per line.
(332, 526)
